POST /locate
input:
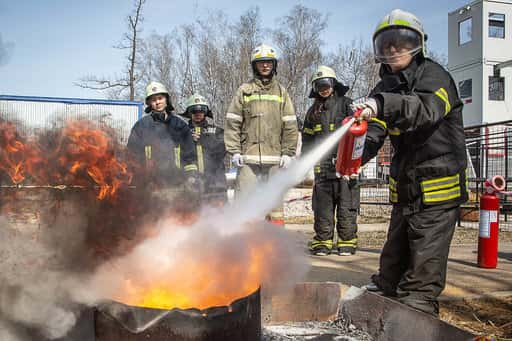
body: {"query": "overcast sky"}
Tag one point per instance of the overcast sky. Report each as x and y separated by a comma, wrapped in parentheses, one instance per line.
(52, 43)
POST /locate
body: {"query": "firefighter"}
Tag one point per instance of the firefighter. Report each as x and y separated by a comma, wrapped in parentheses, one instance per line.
(260, 130)
(210, 149)
(330, 193)
(162, 141)
(416, 104)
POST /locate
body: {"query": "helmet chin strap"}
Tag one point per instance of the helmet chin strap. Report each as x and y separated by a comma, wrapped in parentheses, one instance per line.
(384, 59)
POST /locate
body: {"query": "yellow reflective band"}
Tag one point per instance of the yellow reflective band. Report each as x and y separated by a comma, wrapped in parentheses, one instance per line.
(200, 159)
(382, 123)
(273, 98)
(317, 169)
(318, 128)
(394, 132)
(350, 242)
(444, 195)
(393, 197)
(190, 167)
(309, 131)
(332, 127)
(147, 150)
(382, 25)
(316, 243)
(401, 22)
(440, 183)
(177, 156)
(392, 184)
(443, 95)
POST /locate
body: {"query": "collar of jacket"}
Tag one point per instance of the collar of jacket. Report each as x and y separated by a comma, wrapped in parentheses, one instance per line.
(160, 117)
(265, 85)
(339, 90)
(405, 77)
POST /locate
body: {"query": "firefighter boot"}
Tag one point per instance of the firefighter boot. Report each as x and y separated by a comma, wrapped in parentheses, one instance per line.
(347, 247)
(320, 247)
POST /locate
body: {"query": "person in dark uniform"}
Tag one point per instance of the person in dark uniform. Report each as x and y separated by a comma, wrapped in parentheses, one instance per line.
(332, 196)
(417, 105)
(210, 149)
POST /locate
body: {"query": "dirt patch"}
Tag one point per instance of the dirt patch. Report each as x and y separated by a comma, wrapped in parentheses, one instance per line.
(488, 316)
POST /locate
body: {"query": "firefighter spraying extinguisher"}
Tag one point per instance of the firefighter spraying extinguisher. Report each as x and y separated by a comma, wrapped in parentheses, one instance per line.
(351, 147)
(489, 222)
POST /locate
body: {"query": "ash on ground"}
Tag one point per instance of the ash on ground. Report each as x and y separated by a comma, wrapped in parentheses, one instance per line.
(338, 330)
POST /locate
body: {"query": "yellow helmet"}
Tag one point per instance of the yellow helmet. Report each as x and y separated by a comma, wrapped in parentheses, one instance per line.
(399, 28)
(261, 53)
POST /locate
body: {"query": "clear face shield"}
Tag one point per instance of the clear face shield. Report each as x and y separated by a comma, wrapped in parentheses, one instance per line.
(392, 45)
(323, 84)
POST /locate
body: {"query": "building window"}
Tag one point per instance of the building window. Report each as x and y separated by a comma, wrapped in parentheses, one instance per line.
(496, 88)
(496, 25)
(466, 90)
(465, 31)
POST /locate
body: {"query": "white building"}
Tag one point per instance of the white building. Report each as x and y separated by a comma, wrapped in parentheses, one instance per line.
(480, 59)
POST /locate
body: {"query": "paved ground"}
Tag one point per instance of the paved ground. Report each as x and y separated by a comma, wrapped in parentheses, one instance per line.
(464, 278)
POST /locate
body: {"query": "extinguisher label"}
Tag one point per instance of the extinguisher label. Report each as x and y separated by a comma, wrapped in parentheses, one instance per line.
(486, 218)
(357, 151)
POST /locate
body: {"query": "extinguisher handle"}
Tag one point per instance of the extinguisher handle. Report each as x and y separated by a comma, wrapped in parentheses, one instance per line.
(357, 113)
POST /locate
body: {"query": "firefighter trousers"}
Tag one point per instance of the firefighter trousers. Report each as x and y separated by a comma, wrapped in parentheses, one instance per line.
(250, 174)
(340, 197)
(414, 258)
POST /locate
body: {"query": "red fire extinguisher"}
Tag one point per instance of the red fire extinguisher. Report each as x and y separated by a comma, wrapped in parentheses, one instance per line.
(489, 223)
(351, 147)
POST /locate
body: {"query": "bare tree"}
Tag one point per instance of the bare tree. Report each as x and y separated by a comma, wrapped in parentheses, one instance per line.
(355, 67)
(441, 58)
(116, 86)
(298, 37)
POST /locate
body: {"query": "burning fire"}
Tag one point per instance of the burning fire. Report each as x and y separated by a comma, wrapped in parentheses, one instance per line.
(81, 154)
(191, 277)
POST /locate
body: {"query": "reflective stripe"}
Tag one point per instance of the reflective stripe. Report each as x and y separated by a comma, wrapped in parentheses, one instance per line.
(263, 158)
(394, 132)
(309, 131)
(147, 151)
(190, 167)
(200, 159)
(318, 128)
(443, 95)
(289, 118)
(440, 183)
(177, 156)
(351, 242)
(386, 23)
(273, 98)
(332, 127)
(393, 197)
(316, 243)
(392, 184)
(317, 169)
(443, 195)
(382, 123)
(233, 116)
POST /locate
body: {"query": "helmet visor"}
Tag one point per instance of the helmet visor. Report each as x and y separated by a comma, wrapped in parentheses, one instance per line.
(322, 84)
(391, 44)
(197, 108)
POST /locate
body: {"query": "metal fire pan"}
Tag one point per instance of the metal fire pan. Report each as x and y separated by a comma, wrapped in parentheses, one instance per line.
(239, 321)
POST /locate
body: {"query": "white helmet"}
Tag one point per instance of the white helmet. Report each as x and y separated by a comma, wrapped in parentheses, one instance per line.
(402, 30)
(197, 102)
(324, 77)
(261, 53)
(154, 88)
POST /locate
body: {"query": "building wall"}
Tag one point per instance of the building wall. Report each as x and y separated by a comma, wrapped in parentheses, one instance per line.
(36, 113)
(497, 49)
(472, 111)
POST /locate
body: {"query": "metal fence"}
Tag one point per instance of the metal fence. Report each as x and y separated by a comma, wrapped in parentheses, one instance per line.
(489, 148)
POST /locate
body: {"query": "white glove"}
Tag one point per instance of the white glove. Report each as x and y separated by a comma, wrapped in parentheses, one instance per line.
(369, 109)
(285, 161)
(237, 160)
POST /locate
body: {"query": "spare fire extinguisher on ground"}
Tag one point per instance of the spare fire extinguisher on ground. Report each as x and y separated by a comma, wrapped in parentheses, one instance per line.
(351, 147)
(489, 222)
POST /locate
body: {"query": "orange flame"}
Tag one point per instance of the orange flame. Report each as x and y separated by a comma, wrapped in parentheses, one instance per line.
(84, 154)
